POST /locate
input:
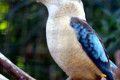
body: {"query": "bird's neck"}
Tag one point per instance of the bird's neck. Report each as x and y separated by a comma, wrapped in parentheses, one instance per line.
(68, 9)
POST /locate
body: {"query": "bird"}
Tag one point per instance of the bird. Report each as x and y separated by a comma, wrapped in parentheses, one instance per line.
(73, 43)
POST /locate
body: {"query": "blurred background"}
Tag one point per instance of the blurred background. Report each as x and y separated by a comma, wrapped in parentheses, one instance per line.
(23, 37)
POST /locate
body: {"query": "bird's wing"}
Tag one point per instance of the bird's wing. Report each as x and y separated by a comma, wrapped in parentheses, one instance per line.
(92, 45)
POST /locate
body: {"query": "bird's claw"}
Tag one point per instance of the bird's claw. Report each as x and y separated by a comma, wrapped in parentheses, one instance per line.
(103, 77)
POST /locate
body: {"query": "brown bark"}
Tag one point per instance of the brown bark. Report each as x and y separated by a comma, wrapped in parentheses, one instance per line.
(117, 61)
(117, 58)
(13, 69)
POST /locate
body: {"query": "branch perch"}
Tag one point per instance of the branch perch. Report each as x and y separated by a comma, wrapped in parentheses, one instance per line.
(117, 60)
(13, 69)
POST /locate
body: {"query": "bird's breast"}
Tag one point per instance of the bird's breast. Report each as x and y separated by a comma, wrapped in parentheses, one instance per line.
(67, 51)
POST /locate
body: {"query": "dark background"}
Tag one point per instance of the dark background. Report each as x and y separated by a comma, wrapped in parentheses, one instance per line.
(23, 38)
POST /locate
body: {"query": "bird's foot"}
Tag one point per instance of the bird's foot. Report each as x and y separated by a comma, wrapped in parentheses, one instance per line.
(103, 77)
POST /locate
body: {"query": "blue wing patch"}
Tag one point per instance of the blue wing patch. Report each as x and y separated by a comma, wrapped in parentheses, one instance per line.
(92, 45)
(89, 39)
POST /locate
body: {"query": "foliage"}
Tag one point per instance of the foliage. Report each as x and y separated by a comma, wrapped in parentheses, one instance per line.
(23, 40)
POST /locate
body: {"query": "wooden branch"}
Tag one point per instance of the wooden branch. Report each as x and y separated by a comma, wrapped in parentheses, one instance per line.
(13, 69)
(117, 60)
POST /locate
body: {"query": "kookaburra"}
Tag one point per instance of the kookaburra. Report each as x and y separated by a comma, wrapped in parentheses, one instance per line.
(72, 42)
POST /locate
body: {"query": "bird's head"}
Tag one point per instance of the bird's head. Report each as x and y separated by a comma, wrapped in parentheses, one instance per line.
(62, 7)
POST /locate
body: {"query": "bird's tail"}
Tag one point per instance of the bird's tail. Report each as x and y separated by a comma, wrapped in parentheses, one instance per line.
(112, 65)
(110, 77)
